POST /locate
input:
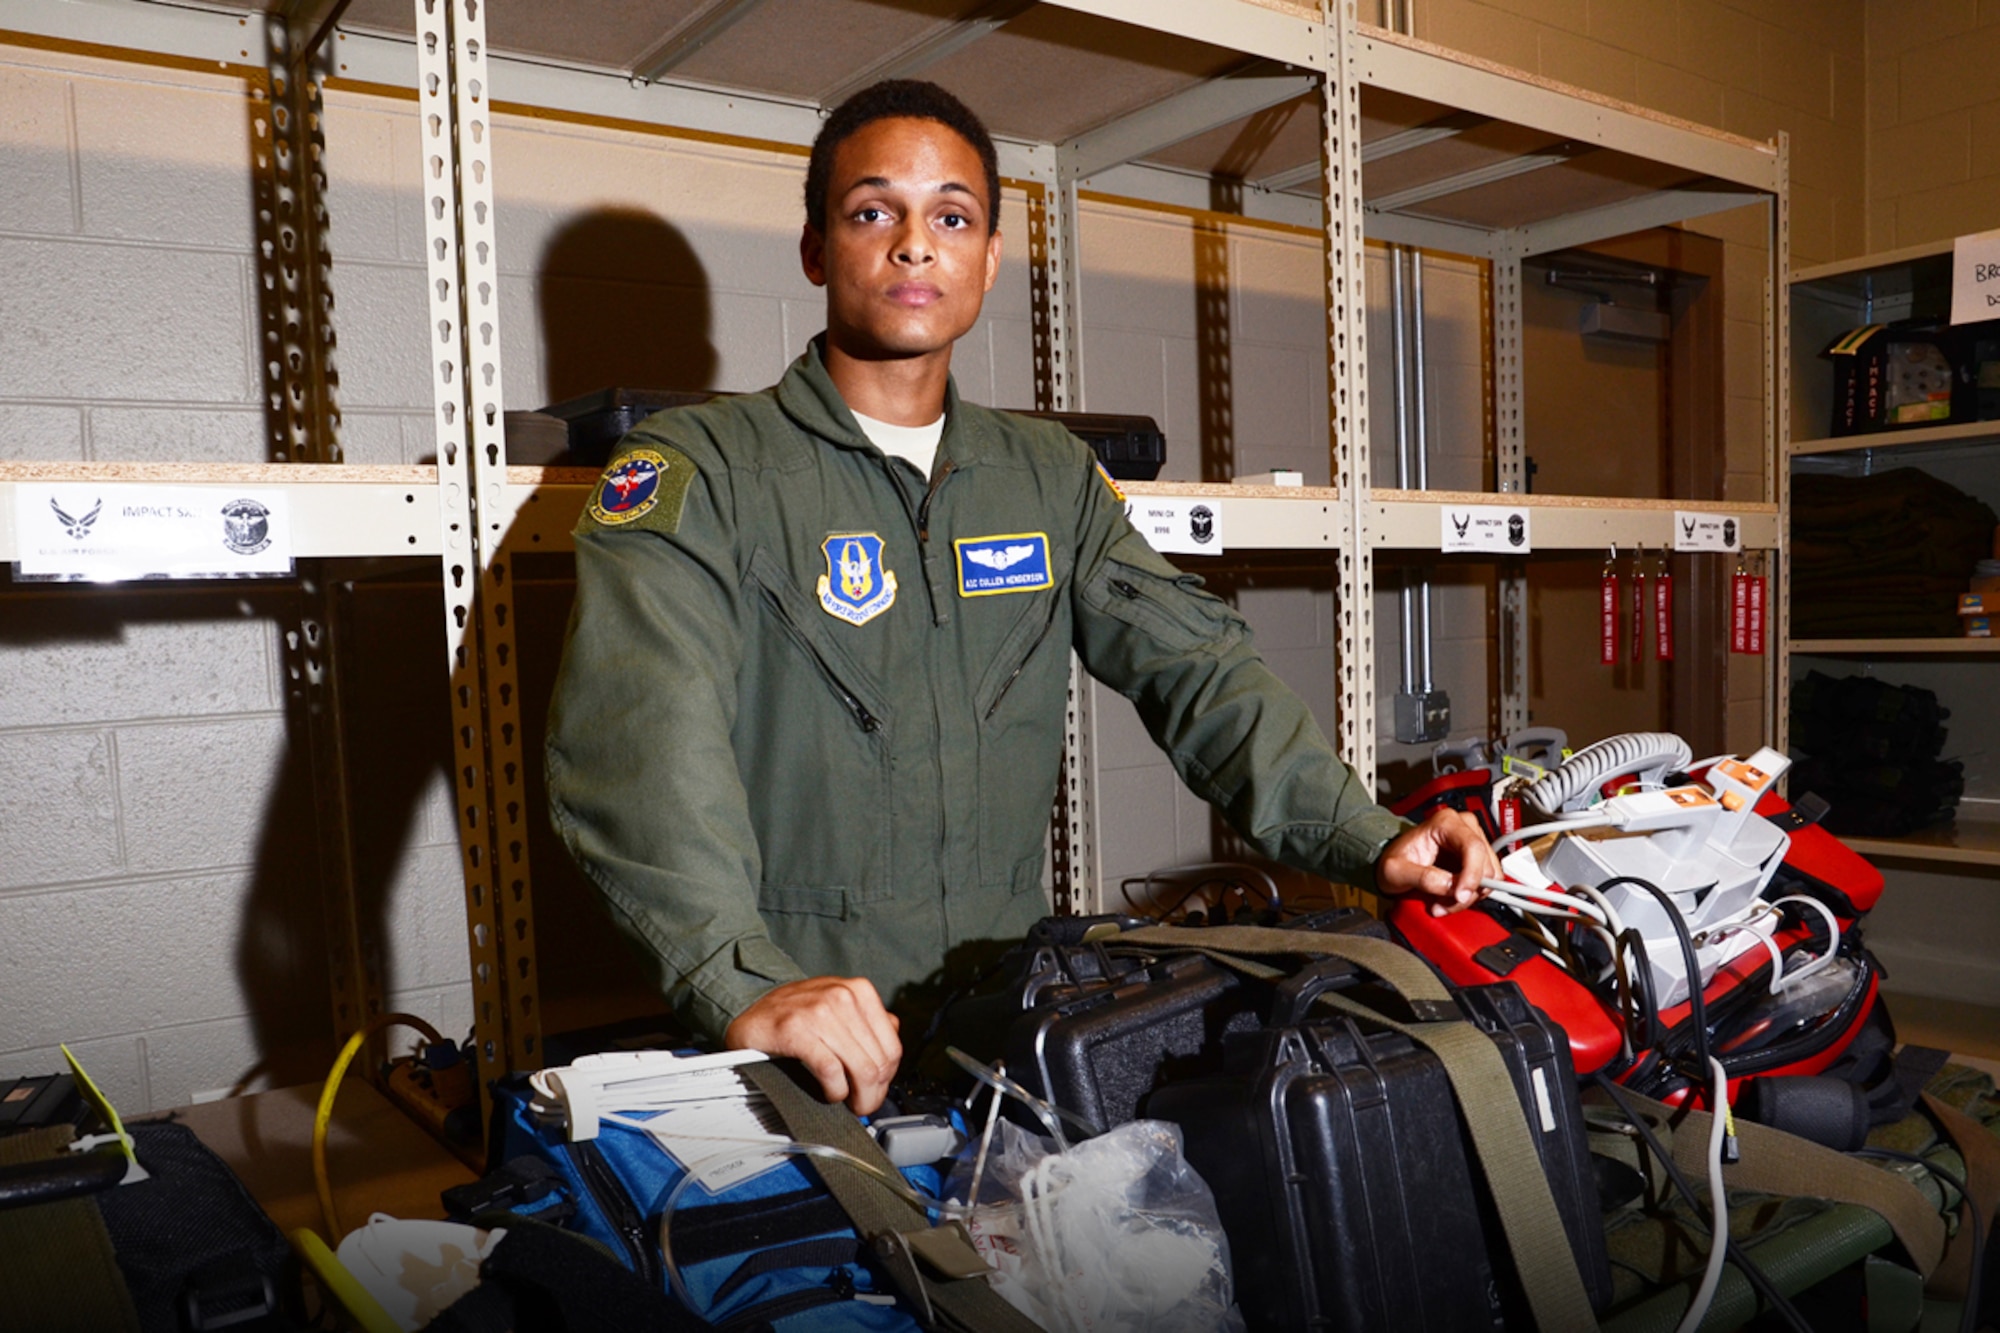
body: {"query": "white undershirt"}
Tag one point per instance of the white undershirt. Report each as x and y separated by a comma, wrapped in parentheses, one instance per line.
(915, 445)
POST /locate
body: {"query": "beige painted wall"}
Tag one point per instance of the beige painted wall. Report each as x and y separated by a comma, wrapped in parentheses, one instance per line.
(1933, 120)
(1752, 67)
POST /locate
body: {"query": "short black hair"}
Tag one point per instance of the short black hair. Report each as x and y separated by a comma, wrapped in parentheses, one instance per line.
(891, 99)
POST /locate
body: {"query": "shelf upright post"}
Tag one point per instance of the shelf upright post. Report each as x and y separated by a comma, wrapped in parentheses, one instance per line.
(1347, 385)
(302, 417)
(454, 107)
(1057, 330)
(1777, 450)
(1510, 476)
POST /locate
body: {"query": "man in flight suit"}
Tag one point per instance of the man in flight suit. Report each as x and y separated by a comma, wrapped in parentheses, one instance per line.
(806, 734)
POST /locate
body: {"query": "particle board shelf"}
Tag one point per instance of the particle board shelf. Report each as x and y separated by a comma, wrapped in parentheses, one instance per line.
(337, 510)
(1894, 647)
(546, 502)
(1863, 274)
(1973, 840)
(1259, 518)
(1412, 520)
(1958, 433)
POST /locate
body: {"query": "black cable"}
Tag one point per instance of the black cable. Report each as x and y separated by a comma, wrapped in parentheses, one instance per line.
(1755, 1275)
(1697, 1002)
(1968, 1320)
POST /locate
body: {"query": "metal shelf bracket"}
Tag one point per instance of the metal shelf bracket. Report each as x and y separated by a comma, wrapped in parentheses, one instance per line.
(463, 326)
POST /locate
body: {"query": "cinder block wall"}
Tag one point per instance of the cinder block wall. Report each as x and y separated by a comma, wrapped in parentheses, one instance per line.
(1933, 121)
(1752, 67)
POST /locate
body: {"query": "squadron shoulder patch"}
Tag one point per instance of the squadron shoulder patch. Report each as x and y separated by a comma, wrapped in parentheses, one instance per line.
(855, 588)
(642, 485)
(1117, 491)
(1013, 562)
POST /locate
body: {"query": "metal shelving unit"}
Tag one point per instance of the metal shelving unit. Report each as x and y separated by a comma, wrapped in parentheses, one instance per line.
(1370, 135)
(1826, 301)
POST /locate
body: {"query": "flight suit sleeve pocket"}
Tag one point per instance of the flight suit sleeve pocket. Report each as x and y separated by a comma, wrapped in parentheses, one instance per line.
(1135, 585)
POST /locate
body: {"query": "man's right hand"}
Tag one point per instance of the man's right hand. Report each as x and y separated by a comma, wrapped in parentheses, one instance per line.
(836, 1026)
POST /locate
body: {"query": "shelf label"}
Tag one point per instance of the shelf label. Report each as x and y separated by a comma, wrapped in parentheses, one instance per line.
(1492, 529)
(1178, 525)
(1694, 531)
(1975, 277)
(104, 532)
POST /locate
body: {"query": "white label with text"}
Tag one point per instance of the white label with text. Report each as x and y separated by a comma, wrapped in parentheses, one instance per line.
(1178, 525)
(1489, 529)
(1975, 277)
(1694, 531)
(105, 532)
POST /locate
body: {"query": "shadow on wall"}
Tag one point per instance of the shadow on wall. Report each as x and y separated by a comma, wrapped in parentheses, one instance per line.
(624, 303)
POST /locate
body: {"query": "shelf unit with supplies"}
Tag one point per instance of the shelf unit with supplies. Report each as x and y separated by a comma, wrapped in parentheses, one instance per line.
(1414, 145)
(1826, 302)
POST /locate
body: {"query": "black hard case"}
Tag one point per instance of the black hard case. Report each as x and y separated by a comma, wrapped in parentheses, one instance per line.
(1100, 1029)
(1131, 448)
(1348, 1187)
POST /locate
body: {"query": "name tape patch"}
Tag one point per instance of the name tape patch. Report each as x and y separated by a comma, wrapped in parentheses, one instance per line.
(1012, 562)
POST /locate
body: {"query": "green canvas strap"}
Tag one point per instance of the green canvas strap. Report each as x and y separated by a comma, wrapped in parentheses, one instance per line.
(1979, 1149)
(937, 1270)
(1774, 1162)
(1479, 1080)
(58, 1271)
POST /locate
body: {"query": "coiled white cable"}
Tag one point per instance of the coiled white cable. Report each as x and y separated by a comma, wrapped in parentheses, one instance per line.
(1593, 763)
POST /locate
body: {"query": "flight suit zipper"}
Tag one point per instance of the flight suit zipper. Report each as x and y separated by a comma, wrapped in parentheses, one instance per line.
(864, 719)
(1022, 665)
(930, 493)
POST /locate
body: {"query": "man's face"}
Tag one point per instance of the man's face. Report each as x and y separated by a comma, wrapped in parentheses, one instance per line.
(907, 256)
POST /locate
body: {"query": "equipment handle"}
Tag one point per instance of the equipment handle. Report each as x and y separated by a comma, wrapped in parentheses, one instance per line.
(1295, 995)
(1241, 947)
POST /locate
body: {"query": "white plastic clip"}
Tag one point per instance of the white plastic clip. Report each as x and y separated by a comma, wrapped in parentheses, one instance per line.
(134, 1173)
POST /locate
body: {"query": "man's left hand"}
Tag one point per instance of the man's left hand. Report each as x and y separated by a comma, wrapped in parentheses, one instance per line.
(1443, 859)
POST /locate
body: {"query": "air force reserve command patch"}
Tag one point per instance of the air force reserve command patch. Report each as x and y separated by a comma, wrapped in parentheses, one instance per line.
(1015, 562)
(855, 588)
(644, 487)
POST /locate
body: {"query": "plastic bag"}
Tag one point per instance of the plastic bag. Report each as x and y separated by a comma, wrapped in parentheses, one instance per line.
(1117, 1235)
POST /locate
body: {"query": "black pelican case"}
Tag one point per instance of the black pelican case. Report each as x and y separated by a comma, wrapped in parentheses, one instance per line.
(1347, 1184)
(1132, 448)
(1097, 1028)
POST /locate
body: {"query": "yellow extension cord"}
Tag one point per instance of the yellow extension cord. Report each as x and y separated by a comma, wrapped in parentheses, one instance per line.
(349, 1294)
(324, 1115)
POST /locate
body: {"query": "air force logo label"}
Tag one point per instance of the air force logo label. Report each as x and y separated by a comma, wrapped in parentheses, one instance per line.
(1016, 562)
(855, 588)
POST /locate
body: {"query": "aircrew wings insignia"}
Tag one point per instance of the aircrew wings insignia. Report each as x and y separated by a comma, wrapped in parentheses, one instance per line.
(1004, 558)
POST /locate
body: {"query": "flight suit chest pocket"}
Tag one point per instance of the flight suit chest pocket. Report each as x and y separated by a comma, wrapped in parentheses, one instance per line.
(854, 688)
(813, 738)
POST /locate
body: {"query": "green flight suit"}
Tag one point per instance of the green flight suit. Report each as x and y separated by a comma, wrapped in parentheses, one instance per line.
(785, 741)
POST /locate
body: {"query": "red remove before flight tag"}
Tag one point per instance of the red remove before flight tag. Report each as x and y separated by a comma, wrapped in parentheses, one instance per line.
(1608, 630)
(1663, 617)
